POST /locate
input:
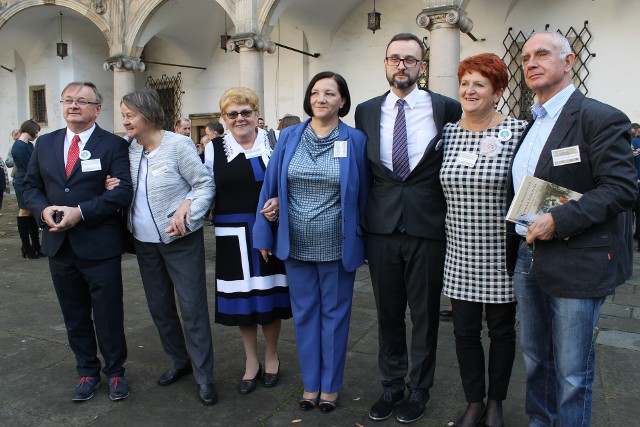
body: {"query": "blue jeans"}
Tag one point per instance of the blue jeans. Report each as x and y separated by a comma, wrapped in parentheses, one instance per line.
(557, 339)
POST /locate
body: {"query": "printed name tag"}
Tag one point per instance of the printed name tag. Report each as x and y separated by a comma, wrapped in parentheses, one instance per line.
(254, 152)
(158, 169)
(90, 165)
(566, 156)
(467, 159)
(340, 149)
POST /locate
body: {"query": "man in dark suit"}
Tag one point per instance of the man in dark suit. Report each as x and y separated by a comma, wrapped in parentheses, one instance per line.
(404, 220)
(570, 259)
(66, 177)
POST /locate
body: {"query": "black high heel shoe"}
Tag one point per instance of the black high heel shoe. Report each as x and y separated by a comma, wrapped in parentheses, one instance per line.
(247, 386)
(270, 380)
(28, 252)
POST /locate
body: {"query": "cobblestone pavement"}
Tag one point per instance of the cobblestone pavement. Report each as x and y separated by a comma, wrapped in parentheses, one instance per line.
(37, 368)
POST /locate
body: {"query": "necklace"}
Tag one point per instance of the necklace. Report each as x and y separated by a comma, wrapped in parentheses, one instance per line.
(157, 142)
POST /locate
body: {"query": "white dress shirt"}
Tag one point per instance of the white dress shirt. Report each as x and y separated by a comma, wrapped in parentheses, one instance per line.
(421, 128)
(84, 137)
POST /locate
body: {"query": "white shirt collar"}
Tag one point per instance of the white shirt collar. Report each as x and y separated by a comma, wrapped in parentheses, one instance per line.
(232, 148)
(84, 136)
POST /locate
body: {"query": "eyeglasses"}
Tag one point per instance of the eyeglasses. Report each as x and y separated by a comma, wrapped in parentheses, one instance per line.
(408, 62)
(532, 248)
(81, 102)
(232, 115)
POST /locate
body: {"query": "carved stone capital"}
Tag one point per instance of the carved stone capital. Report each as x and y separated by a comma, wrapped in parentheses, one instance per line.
(125, 63)
(444, 17)
(251, 42)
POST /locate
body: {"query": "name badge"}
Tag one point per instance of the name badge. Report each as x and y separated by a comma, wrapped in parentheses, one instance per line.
(91, 165)
(340, 149)
(467, 159)
(159, 169)
(566, 156)
(254, 152)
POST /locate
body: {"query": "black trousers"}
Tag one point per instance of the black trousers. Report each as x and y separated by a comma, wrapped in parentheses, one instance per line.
(467, 326)
(406, 270)
(91, 287)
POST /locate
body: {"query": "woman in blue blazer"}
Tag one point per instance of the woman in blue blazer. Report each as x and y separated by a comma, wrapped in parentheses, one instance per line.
(319, 175)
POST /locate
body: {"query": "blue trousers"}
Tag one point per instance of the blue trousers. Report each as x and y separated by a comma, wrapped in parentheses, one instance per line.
(321, 295)
(557, 339)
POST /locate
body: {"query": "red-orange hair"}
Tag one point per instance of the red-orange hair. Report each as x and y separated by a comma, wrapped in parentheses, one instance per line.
(489, 65)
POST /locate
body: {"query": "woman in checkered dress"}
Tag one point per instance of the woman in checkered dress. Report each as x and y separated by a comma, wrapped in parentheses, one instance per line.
(474, 173)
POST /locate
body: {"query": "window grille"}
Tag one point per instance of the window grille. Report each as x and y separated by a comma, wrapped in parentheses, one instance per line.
(518, 98)
(38, 104)
(170, 91)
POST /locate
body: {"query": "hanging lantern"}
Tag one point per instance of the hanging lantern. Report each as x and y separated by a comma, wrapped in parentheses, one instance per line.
(61, 48)
(373, 19)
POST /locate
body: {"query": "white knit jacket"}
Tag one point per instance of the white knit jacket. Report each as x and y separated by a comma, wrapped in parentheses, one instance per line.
(165, 191)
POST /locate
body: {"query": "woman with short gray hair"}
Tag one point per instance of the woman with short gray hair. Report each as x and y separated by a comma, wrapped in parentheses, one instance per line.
(172, 191)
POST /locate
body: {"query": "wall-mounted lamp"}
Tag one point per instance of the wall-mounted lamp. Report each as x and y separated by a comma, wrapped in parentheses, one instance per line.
(373, 19)
(61, 48)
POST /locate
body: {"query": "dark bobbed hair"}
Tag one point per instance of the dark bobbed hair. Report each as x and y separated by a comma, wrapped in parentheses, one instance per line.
(490, 66)
(147, 103)
(406, 37)
(93, 87)
(30, 127)
(342, 88)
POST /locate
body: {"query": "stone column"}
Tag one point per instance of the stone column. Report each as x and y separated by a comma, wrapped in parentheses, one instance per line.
(445, 20)
(251, 64)
(123, 83)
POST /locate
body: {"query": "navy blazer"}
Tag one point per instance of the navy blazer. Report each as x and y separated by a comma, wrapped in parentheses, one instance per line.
(591, 254)
(99, 234)
(419, 199)
(354, 186)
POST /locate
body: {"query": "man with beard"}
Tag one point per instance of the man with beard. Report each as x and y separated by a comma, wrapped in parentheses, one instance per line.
(404, 219)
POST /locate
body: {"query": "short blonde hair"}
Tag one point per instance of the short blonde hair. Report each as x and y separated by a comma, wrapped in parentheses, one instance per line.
(239, 95)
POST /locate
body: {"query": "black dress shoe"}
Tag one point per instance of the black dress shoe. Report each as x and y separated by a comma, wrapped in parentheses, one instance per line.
(412, 409)
(247, 386)
(174, 374)
(383, 408)
(208, 394)
(270, 380)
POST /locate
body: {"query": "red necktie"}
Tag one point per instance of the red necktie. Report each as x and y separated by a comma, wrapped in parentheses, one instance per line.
(74, 152)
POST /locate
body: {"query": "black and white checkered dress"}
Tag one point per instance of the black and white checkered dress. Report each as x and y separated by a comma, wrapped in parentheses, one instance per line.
(475, 188)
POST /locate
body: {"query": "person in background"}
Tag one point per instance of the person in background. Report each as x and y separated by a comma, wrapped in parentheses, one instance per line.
(64, 188)
(568, 260)
(285, 122)
(261, 123)
(21, 154)
(4, 181)
(172, 191)
(474, 175)
(320, 175)
(404, 221)
(249, 290)
(635, 145)
(182, 126)
(215, 133)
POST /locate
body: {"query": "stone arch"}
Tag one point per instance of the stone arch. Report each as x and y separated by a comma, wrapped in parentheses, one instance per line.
(137, 25)
(12, 9)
